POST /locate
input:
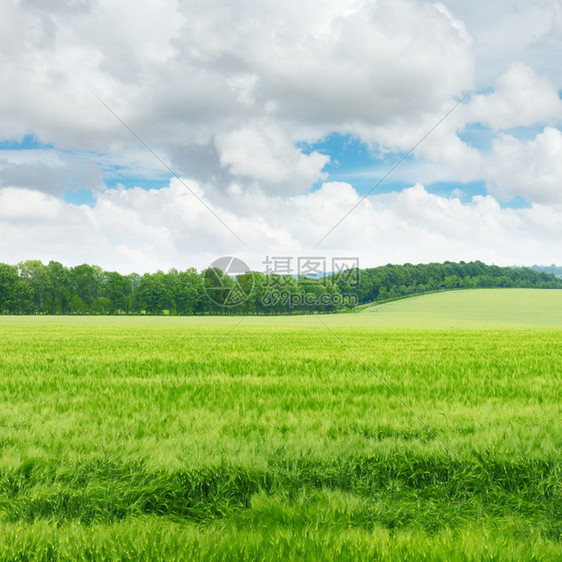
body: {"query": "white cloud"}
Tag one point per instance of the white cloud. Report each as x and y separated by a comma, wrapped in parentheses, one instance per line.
(188, 77)
(224, 92)
(531, 169)
(449, 157)
(520, 98)
(144, 230)
(512, 30)
(511, 167)
(265, 153)
(54, 171)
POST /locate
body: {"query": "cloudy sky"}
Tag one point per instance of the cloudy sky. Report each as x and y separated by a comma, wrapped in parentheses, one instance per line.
(144, 136)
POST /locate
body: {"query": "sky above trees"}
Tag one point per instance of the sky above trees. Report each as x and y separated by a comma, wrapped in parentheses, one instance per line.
(277, 118)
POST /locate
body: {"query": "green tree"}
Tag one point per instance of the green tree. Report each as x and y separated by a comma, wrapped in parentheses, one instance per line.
(59, 294)
(86, 281)
(115, 289)
(8, 280)
(36, 276)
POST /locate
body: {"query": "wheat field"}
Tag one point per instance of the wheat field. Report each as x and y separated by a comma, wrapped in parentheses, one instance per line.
(306, 438)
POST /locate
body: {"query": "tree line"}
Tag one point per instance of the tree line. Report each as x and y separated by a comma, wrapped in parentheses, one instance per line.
(554, 269)
(31, 287)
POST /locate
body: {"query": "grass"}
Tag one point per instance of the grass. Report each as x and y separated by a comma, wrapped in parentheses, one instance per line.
(140, 438)
(474, 308)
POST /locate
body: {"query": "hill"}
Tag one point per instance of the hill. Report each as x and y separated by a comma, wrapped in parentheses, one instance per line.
(550, 269)
(475, 308)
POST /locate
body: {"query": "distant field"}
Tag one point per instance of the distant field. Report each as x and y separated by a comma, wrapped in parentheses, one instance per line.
(279, 438)
(475, 308)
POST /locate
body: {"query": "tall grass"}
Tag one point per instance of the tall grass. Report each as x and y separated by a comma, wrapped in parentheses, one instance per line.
(122, 439)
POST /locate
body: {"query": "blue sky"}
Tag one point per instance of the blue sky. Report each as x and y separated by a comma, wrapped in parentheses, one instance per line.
(351, 160)
(277, 127)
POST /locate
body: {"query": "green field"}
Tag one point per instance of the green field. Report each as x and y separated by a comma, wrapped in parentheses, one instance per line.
(345, 437)
(475, 308)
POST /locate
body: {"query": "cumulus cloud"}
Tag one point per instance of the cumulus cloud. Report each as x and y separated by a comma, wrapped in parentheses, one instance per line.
(144, 230)
(532, 170)
(228, 93)
(520, 98)
(56, 171)
(508, 30)
(511, 167)
(267, 154)
(199, 76)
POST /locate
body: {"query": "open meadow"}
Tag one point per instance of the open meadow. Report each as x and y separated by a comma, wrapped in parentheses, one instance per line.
(427, 428)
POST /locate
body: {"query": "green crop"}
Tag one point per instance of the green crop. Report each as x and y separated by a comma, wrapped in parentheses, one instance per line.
(263, 438)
